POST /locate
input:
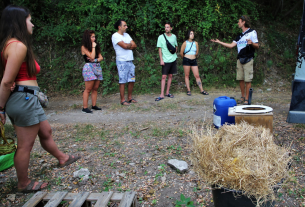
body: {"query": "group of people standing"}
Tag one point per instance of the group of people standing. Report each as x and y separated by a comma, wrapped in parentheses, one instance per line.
(19, 87)
(123, 45)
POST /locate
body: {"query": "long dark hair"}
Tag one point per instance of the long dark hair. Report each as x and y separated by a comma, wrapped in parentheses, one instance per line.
(86, 42)
(188, 33)
(13, 25)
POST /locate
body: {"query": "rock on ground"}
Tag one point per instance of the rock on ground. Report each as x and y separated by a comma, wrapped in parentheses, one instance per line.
(80, 173)
(182, 166)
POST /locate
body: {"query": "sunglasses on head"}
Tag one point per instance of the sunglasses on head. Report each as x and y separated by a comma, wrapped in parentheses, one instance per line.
(243, 18)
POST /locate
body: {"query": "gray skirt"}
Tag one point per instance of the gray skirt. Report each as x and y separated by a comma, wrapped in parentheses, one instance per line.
(24, 112)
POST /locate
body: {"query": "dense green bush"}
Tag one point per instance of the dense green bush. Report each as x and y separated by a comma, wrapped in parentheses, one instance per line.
(59, 25)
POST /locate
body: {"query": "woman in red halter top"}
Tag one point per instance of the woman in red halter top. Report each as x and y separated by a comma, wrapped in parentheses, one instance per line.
(18, 66)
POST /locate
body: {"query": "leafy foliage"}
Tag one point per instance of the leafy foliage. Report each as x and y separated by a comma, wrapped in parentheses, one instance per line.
(59, 25)
(184, 202)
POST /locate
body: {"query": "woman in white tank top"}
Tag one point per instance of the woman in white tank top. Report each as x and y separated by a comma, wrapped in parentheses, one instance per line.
(189, 51)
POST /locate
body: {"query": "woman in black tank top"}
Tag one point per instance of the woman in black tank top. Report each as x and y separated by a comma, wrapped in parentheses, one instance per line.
(92, 71)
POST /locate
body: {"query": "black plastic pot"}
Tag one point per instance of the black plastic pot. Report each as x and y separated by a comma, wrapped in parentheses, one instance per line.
(231, 198)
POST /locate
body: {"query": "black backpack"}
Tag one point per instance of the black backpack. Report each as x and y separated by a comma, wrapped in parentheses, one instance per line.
(171, 48)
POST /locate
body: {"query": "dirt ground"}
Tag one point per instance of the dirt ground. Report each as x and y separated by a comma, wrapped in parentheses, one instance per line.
(127, 148)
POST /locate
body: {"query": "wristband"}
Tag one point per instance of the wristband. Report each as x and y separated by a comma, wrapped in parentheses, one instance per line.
(2, 112)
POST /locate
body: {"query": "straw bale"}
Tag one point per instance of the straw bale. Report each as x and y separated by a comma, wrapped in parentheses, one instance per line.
(240, 157)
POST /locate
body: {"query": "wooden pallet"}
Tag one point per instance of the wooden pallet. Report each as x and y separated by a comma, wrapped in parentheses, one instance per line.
(82, 199)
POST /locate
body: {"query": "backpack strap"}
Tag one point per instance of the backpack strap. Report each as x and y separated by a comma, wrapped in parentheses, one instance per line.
(165, 38)
(189, 49)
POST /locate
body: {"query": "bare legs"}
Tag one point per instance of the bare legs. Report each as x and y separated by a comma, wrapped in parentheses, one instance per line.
(242, 88)
(130, 88)
(90, 86)
(187, 76)
(169, 82)
(94, 92)
(122, 91)
(26, 137)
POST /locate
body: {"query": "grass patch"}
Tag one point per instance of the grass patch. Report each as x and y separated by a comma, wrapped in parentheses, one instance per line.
(300, 126)
(165, 106)
(159, 132)
(84, 132)
(76, 106)
(195, 102)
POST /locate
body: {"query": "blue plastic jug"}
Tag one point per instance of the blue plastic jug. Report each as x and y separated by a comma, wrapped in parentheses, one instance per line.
(220, 110)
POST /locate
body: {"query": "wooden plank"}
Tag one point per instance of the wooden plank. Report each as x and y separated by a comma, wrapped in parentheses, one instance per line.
(257, 120)
(56, 199)
(35, 199)
(117, 197)
(91, 197)
(127, 199)
(79, 199)
(103, 199)
(68, 197)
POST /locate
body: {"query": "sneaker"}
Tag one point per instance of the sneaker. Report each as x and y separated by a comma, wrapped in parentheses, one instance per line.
(96, 108)
(87, 111)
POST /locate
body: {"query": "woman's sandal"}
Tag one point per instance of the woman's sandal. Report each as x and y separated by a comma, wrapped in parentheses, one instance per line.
(125, 103)
(188, 93)
(204, 93)
(29, 187)
(132, 101)
(158, 99)
(246, 102)
(69, 161)
(241, 101)
(170, 95)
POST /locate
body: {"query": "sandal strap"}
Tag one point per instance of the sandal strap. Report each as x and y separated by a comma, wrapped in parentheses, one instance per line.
(38, 186)
(130, 101)
(30, 185)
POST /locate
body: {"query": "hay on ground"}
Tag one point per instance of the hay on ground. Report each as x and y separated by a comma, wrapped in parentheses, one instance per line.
(240, 157)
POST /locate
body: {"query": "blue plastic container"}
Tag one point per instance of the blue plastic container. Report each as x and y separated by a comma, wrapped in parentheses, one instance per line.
(220, 107)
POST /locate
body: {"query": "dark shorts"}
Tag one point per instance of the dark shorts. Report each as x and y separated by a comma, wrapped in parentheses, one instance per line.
(189, 62)
(24, 112)
(169, 68)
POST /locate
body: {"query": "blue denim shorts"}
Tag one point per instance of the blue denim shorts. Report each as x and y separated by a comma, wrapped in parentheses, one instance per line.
(126, 70)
